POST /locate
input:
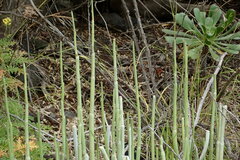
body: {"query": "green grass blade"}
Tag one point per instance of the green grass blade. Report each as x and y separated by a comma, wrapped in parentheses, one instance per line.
(153, 147)
(92, 90)
(26, 113)
(63, 123)
(213, 115)
(175, 91)
(10, 127)
(139, 130)
(40, 136)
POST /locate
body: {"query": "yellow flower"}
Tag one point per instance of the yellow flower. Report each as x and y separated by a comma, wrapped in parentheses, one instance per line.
(7, 21)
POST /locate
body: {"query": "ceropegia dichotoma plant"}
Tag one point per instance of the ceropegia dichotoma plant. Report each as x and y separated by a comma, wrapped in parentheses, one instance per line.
(215, 31)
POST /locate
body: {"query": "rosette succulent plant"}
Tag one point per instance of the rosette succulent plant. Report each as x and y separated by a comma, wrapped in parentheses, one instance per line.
(215, 31)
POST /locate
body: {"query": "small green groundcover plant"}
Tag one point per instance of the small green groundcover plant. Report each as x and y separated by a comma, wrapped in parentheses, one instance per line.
(10, 64)
(18, 133)
(215, 31)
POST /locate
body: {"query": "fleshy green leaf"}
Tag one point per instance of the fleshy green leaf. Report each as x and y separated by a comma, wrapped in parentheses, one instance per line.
(215, 33)
(235, 47)
(232, 36)
(177, 33)
(190, 42)
(230, 15)
(231, 51)
(183, 20)
(225, 49)
(215, 13)
(195, 52)
(210, 28)
(209, 22)
(214, 55)
(195, 43)
(219, 30)
(200, 16)
(233, 28)
(170, 39)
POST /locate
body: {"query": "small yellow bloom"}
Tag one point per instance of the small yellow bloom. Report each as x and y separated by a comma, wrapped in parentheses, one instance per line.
(7, 21)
